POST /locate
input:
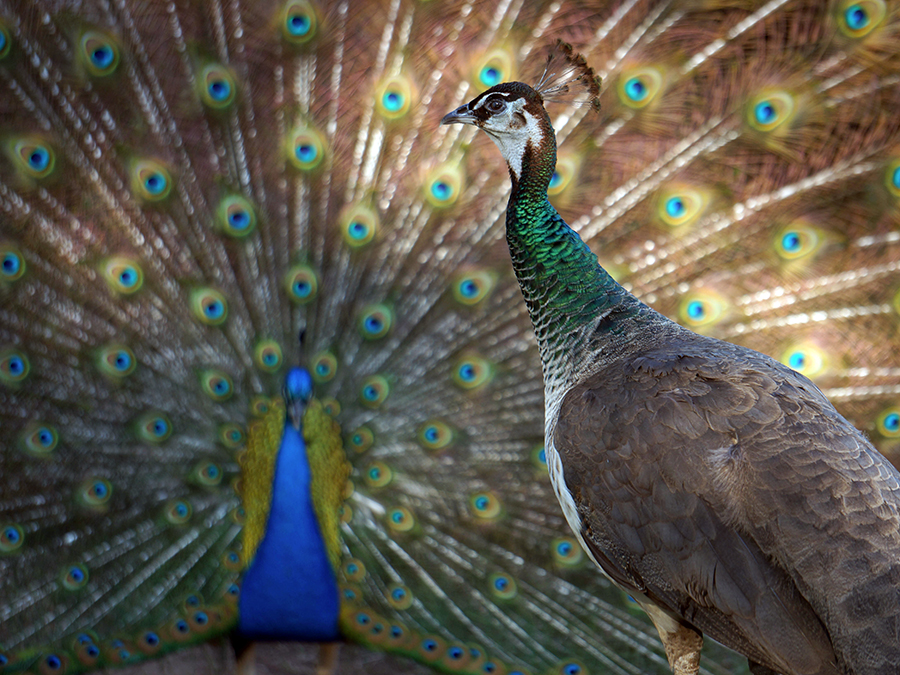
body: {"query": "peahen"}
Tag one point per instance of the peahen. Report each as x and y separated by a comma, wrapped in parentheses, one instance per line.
(715, 485)
(185, 186)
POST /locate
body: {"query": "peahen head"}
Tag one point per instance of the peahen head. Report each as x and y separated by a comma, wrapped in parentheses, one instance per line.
(513, 115)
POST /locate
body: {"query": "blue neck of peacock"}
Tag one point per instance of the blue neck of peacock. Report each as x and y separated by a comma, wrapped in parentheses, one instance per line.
(580, 314)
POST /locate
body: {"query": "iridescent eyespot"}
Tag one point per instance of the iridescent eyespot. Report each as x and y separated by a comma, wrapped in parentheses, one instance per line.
(435, 435)
(856, 19)
(12, 264)
(892, 177)
(87, 653)
(681, 205)
(218, 86)
(116, 361)
(378, 475)
(217, 385)
(324, 367)
(95, 492)
(40, 439)
(639, 87)
(11, 538)
(235, 216)
(260, 405)
(208, 473)
(485, 505)
(232, 436)
(5, 47)
(199, 620)
(495, 67)
(14, 366)
(52, 664)
(232, 560)
(444, 185)
(472, 372)
(361, 440)
(570, 668)
(359, 226)
(99, 53)
(150, 181)
(701, 309)
(431, 648)
(375, 322)
(502, 586)
(539, 459)
(305, 148)
(374, 391)
(298, 22)
(400, 519)
(807, 359)
(888, 423)
(33, 157)
(233, 592)
(564, 174)
(797, 241)
(566, 552)
(154, 427)
(180, 630)
(209, 306)
(399, 597)
(267, 356)
(394, 98)
(75, 577)
(354, 570)
(473, 287)
(769, 110)
(178, 512)
(302, 284)
(149, 642)
(123, 275)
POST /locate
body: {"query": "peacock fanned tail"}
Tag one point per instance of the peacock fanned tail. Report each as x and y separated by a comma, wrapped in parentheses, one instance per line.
(185, 186)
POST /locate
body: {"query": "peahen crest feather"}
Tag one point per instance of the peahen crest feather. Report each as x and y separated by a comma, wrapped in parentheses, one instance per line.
(184, 185)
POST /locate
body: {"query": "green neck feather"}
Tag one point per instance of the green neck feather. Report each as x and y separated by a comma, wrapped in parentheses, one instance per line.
(574, 304)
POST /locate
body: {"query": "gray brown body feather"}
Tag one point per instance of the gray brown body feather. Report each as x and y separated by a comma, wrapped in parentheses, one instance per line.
(724, 487)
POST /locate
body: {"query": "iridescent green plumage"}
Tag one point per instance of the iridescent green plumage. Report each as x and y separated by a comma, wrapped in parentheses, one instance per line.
(183, 185)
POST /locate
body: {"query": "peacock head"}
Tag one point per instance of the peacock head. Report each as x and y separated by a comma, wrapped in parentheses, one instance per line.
(513, 115)
(297, 392)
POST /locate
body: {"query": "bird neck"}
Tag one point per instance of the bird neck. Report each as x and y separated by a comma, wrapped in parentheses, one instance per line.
(580, 314)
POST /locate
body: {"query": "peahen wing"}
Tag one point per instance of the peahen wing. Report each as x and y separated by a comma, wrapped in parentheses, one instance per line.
(187, 184)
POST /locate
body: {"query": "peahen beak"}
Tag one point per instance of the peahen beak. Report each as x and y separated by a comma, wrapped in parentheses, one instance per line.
(459, 116)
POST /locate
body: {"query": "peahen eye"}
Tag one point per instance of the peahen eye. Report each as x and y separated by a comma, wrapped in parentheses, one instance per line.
(495, 105)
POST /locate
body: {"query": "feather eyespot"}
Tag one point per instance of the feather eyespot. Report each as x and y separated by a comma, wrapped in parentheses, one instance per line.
(472, 372)
(218, 87)
(116, 361)
(888, 423)
(150, 181)
(123, 275)
(298, 22)
(770, 110)
(324, 367)
(302, 284)
(361, 440)
(399, 597)
(702, 309)
(374, 391)
(96, 492)
(33, 157)
(892, 178)
(149, 642)
(680, 206)
(232, 436)
(235, 216)
(305, 149)
(431, 648)
(435, 435)
(5, 47)
(858, 19)
(502, 586)
(12, 263)
(571, 668)
(14, 367)
(41, 439)
(178, 512)
(495, 67)
(354, 570)
(797, 241)
(566, 552)
(359, 227)
(154, 427)
(539, 459)
(395, 97)
(470, 289)
(209, 306)
(637, 88)
(400, 519)
(53, 664)
(12, 537)
(444, 186)
(375, 322)
(208, 473)
(564, 175)
(100, 54)
(75, 577)
(485, 505)
(268, 356)
(806, 359)
(378, 475)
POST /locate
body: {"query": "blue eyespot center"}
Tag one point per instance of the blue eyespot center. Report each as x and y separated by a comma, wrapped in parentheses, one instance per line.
(16, 365)
(797, 360)
(675, 207)
(155, 183)
(856, 17)
(892, 422)
(102, 56)
(213, 309)
(298, 25)
(39, 159)
(695, 310)
(220, 90)
(392, 100)
(441, 190)
(791, 242)
(895, 177)
(11, 264)
(490, 76)
(239, 220)
(765, 112)
(306, 152)
(635, 89)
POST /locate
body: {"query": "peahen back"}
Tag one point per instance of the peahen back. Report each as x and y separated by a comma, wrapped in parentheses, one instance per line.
(186, 186)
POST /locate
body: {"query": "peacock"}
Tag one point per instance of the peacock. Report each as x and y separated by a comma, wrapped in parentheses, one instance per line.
(714, 484)
(187, 187)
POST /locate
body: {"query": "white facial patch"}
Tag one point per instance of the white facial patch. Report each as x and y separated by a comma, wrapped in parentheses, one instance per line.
(511, 136)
